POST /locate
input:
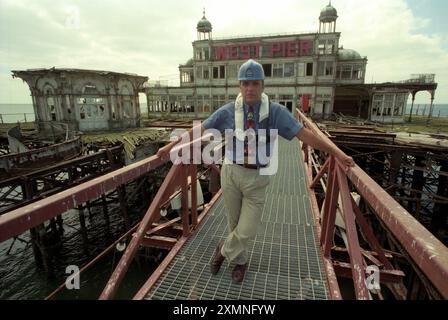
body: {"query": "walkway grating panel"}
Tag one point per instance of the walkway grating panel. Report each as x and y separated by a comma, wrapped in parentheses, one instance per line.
(285, 261)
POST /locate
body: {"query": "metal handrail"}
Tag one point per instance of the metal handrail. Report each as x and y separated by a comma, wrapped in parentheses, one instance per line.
(176, 177)
(426, 251)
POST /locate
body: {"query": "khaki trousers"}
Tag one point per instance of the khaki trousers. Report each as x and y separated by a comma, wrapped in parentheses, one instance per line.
(244, 192)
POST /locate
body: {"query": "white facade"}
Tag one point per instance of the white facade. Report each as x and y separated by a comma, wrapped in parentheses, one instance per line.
(388, 106)
(295, 65)
(83, 100)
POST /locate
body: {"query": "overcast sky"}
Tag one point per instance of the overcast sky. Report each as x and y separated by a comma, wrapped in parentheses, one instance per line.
(151, 38)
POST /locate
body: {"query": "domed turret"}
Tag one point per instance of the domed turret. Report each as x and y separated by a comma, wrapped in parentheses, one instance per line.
(189, 63)
(348, 54)
(327, 19)
(328, 14)
(204, 28)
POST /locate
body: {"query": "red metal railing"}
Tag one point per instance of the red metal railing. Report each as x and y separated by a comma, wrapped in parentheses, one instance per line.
(177, 178)
(425, 250)
(22, 219)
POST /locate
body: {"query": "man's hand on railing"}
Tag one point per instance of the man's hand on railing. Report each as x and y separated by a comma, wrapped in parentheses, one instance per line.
(346, 161)
(164, 152)
(321, 142)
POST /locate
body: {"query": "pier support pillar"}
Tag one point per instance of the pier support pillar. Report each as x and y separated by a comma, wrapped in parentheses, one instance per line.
(123, 206)
(394, 169)
(106, 213)
(418, 181)
(439, 218)
(82, 223)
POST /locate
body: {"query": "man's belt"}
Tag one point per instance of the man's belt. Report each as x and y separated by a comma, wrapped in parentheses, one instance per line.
(251, 166)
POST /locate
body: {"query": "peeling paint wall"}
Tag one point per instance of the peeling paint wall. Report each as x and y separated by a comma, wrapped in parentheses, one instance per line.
(83, 100)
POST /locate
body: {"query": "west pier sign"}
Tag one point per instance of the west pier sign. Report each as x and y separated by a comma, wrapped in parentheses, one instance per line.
(258, 49)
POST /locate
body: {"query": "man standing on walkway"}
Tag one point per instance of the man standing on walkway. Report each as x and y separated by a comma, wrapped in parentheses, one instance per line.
(242, 182)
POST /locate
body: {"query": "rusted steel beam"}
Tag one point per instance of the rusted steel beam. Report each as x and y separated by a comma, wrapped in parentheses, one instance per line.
(319, 175)
(363, 154)
(341, 251)
(20, 220)
(329, 212)
(141, 294)
(170, 229)
(344, 269)
(177, 176)
(160, 242)
(384, 146)
(426, 250)
(358, 133)
(370, 235)
(356, 258)
(152, 213)
(61, 165)
(48, 153)
(174, 231)
(332, 281)
(159, 227)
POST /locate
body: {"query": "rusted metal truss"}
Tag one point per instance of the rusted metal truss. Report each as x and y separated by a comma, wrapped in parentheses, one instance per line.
(15, 222)
(27, 188)
(415, 176)
(52, 153)
(426, 251)
(181, 178)
(147, 235)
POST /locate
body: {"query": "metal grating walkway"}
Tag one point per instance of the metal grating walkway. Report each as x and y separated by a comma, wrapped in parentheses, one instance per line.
(285, 261)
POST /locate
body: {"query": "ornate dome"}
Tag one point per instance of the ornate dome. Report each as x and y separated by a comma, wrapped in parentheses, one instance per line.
(328, 14)
(348, 54)
(204, 25)
(189, 63)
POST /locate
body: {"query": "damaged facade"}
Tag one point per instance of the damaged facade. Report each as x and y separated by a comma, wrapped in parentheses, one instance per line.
(83, 100)
(303, 70)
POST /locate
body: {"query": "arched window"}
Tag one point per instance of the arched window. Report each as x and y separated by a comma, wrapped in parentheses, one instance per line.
(127, 101)
(50, 102)
(91, 104)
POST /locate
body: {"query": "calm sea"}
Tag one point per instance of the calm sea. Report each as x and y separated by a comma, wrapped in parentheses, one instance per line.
(12, 113)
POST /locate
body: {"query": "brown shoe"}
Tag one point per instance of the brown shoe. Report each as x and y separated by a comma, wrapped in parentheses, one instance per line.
(238, 272)
(217, 259)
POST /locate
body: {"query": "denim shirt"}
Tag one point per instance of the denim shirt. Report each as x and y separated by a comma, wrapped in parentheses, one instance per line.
(280, 118)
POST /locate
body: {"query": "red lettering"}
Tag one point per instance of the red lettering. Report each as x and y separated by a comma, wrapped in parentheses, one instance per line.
(245, 52)
(305, 102)
(306, 47)
(257, 50)
(233, 51)
(275, 47)
(220, 53)
(291, 52)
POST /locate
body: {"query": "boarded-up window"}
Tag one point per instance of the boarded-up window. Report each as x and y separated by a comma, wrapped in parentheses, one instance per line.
(278, 70)
(309, 69)
(289, 69)
(267, 69)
